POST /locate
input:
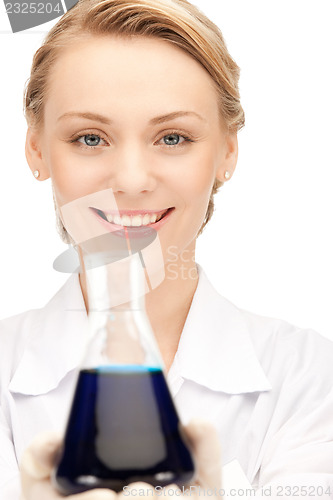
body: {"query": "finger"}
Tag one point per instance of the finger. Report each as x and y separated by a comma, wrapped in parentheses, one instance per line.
(204, 441)
(38, 460)
(43, 490)
(36, 465)
(39, 489)
(97, 494)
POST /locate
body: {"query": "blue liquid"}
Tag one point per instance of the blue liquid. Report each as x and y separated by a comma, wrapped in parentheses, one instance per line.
(123, 427)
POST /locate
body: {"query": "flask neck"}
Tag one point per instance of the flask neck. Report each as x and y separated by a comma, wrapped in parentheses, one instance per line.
(116, 286)
(120, 330)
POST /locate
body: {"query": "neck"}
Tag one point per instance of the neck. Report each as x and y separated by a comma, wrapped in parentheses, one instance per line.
(168, 304)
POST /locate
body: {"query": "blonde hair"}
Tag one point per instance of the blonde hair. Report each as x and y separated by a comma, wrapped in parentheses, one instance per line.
(175, 21)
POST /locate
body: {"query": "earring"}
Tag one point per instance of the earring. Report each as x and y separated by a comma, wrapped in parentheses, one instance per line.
(36, 174)
(227, 175)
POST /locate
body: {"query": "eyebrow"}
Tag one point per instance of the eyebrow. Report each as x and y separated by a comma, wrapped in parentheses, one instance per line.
(174, 115)
(154, 121)
(87, 115)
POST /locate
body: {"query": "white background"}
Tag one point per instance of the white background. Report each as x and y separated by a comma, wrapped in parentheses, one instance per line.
(269, 247)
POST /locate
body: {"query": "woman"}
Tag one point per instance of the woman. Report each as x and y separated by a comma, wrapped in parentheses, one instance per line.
(140, 99)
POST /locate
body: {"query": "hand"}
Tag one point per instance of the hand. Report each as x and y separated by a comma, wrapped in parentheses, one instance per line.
(38, 461)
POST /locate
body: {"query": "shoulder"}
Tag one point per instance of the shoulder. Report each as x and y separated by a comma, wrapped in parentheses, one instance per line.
(27, 328)
(16, 329)
(270, 334)
(284, 351)
(15, 333)
(289, 354)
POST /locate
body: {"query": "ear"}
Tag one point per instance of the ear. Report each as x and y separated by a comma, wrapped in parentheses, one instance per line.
(229, 157)
(33, 154)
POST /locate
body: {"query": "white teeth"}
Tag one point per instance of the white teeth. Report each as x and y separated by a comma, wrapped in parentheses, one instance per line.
(126, 220)
(137, 220)
(116, 220)
(146, 219)
(134, 220)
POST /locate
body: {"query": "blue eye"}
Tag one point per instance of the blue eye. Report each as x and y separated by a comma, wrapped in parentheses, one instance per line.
(90, 140)
(172, 139)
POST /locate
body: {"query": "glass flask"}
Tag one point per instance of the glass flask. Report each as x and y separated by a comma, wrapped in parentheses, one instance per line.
(123, 426)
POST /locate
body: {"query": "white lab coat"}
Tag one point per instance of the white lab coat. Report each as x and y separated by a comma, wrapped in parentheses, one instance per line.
(265, 384)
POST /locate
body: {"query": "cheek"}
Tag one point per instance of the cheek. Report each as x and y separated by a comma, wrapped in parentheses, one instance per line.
(72, 176)
(193, 185)
(196, 181)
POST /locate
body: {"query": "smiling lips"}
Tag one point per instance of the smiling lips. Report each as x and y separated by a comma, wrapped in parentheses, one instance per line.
(132, 218)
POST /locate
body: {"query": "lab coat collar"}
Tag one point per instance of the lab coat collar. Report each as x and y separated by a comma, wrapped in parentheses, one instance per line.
(215, 349)
(58, 334)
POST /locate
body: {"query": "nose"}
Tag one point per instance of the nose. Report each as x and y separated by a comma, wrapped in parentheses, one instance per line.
(132, 172)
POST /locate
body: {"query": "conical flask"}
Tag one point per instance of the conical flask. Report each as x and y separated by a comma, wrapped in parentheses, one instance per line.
(123, 426)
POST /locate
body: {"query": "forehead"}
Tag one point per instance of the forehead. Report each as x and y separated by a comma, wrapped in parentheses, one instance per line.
(112, 74)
